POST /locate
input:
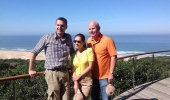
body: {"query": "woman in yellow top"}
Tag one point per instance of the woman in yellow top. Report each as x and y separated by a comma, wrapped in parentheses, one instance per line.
(82, 62)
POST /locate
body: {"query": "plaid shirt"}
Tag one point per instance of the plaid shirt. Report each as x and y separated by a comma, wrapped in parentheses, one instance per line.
(56, 51)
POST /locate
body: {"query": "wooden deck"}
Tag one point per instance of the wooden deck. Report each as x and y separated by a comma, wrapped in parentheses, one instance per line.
(158, 90)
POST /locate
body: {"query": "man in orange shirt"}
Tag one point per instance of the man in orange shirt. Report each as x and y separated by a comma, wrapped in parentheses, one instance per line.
(105, 61)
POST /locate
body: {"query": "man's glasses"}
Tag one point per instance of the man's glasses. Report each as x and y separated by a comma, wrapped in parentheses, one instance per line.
(76, 41)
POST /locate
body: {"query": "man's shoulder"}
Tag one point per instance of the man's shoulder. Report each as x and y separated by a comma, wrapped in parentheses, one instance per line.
(54, 35)
(106, 37)
(49, 34)
(67, 34)
(49, 37)
(46, 36)
(89, 39)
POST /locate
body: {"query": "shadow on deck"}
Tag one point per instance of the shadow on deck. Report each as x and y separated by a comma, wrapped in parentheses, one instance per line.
(157, 90)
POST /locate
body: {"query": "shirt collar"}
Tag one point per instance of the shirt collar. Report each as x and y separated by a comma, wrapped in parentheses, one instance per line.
(56, 36)
(98, 39)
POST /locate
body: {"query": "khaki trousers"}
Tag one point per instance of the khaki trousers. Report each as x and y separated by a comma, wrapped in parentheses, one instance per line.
(58, 85)
(85, 87)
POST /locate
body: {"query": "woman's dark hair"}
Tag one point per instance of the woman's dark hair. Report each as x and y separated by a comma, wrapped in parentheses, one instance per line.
(82, 38)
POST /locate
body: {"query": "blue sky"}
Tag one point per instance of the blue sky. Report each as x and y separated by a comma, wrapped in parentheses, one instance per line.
(114, 16)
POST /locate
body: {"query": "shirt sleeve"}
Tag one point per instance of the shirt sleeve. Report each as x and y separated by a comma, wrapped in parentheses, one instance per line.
(90, 54)
(40, 45)
(89, 45)
(111, 47)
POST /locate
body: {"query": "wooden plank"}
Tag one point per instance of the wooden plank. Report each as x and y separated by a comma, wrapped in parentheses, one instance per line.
(159, 90)
(159, 93)
(151, 94)
(165, 81)
(140, 96)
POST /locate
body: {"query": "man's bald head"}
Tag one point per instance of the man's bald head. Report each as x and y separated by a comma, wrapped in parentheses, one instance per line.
(94, 29)
(95, 23)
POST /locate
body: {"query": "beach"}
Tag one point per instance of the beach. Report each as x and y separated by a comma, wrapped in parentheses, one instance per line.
(41, 56)
(19, 55)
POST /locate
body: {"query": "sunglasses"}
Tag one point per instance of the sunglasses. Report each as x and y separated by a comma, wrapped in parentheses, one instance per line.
(76, 41)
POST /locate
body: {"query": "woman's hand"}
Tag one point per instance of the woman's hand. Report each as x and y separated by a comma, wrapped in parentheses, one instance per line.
(76, 77)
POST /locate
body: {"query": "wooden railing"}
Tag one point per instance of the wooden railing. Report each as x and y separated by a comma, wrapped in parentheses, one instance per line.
(19, 77)
(139, 54)
(133, 57)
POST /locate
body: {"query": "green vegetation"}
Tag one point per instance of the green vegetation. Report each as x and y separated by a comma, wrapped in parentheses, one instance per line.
(26, 89)
(35, 88)
(146, 70)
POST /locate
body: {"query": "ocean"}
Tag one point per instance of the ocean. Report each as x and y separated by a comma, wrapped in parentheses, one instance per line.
(125, 44)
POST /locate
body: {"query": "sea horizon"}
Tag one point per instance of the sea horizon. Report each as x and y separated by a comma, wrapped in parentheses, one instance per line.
(126, 44)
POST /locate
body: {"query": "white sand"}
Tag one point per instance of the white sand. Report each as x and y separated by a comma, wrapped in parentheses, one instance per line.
(19, 55)
(26, 55)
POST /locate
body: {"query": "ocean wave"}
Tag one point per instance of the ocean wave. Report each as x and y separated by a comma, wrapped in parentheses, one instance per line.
(129, 52)
(20, 49)
(3, 49)
(17, 49)
(120, 53)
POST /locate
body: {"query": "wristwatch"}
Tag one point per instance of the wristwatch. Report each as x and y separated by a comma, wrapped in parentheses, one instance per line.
(111, 72)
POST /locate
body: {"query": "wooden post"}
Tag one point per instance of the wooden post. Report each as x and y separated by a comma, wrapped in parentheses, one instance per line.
(153, 67)
(133, 72)
(14, 90)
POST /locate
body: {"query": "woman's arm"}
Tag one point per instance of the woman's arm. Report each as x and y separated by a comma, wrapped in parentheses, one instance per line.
(90, 67)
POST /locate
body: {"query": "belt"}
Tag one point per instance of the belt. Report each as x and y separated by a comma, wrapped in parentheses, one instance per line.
(58, 69)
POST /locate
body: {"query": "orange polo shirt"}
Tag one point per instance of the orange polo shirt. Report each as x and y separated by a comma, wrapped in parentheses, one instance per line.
(103, 49)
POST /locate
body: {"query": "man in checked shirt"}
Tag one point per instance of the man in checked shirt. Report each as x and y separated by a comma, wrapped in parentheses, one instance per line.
(57, 48)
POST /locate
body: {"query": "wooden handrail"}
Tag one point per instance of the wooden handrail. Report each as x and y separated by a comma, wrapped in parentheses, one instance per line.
(19, 77)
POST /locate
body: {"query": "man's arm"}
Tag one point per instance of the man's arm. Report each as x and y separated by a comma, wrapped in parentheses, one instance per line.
(112, 68)
(32, 72)
(38, 48)
(113, 63)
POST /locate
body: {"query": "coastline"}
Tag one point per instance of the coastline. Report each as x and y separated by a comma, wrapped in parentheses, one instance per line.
(5, 54)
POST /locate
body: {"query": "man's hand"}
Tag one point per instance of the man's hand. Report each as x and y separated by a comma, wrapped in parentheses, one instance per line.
(32, 73)
(110, 78)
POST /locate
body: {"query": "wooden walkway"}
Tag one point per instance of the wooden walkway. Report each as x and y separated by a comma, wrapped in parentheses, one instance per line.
(158, 90)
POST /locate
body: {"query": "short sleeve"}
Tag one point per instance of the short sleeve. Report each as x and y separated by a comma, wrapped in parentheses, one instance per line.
(111, 47)
(90, 54)
(40, 45)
